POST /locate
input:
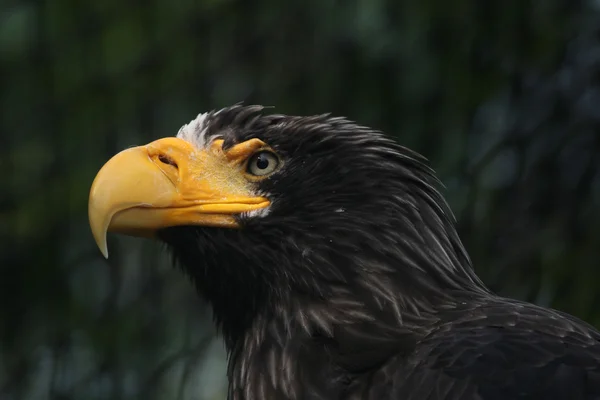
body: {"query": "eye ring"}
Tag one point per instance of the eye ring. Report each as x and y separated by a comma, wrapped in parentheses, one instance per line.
(262, 163)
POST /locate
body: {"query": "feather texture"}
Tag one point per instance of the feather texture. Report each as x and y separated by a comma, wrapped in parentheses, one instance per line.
(355, 284)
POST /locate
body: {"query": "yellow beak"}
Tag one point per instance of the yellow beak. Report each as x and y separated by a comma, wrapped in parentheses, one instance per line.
(168, 183)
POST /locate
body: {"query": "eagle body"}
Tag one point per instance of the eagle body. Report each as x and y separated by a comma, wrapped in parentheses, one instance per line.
(498, 350)
(333, 266)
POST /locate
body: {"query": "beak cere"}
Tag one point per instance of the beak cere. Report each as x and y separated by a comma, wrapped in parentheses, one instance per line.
(169, 183)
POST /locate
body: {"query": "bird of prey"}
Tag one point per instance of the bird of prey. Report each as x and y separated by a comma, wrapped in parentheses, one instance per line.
(333, 265)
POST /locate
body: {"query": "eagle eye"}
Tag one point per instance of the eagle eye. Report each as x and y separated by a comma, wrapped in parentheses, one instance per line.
(262, 163)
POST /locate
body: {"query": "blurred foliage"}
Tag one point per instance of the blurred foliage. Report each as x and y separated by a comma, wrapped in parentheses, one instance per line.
(502, 97)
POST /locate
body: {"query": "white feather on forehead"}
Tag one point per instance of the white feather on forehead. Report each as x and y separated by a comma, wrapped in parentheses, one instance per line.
(195, 131)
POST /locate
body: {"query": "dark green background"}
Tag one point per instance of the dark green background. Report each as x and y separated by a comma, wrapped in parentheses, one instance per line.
(502, 96)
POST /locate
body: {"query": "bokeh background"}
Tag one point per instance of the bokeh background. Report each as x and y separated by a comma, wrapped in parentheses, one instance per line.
(502, 96)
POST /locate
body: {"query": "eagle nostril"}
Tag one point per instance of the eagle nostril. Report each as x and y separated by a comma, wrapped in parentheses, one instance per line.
(167, 160)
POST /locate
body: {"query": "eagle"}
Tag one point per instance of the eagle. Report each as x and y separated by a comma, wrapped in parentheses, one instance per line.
(333, 265)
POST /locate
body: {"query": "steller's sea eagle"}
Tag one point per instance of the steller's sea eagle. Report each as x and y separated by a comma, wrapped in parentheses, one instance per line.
(333, 266)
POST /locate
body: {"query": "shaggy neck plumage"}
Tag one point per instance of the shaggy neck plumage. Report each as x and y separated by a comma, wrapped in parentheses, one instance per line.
(279, 297)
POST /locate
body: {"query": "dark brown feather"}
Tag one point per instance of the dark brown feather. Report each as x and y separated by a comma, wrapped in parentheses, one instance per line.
(355, 284)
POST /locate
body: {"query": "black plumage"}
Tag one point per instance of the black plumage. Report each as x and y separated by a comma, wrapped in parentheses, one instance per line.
(355, 285)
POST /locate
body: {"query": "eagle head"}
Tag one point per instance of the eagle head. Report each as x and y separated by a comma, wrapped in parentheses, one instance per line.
(291, 226)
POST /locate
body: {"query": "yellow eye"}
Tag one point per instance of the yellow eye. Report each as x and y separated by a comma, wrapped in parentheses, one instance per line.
(263, 163)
